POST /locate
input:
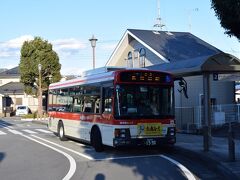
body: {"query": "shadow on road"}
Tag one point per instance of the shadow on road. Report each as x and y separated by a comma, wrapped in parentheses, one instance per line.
(2, 155)
(5, 124)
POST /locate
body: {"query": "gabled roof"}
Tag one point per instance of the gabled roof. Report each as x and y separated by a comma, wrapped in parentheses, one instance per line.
(3, 69)
(14, 72)
(175, 46)
(184, 54)
(12, 88)
(168, 46)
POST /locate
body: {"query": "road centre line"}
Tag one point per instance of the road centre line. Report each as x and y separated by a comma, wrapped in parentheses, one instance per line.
(70, 158)
(78, 153)
(187, 173)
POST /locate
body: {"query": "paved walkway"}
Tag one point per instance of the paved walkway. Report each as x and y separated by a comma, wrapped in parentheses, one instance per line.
(217, 155)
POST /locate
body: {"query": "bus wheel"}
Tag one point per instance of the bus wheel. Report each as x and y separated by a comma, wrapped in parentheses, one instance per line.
(61, 132)
(96, 140)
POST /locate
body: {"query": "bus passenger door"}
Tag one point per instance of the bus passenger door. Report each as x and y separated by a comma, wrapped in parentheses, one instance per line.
(107, 116)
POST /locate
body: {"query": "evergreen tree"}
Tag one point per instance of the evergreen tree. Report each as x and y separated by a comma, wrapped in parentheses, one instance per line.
(228, 12)
(36, 52)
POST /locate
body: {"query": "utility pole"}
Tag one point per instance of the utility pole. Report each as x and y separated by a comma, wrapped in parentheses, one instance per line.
(190, 18)
(40, 91)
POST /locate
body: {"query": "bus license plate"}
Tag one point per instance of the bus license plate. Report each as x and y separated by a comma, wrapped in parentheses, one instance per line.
(150, 142)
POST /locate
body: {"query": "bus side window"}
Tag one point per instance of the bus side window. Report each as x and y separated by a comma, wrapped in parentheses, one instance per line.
(107, 101)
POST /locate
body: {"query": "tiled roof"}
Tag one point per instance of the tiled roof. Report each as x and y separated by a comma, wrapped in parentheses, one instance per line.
(12, 88)
(14, 72)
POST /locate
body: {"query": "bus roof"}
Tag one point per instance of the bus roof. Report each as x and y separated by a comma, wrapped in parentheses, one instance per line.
(102, 74)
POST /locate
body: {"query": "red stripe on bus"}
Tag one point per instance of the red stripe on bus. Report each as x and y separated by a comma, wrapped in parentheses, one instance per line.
(104, 118)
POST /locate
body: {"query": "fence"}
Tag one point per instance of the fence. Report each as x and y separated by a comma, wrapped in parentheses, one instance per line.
(191, 119)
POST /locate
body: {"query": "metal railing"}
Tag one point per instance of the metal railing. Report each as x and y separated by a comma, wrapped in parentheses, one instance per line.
(191, 119)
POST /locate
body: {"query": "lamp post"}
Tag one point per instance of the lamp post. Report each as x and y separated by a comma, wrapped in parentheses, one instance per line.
(47, 96)
(93, 41)
(39, 91)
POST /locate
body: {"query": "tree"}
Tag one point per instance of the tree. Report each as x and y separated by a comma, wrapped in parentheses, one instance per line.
(33, 53)
(228, 12)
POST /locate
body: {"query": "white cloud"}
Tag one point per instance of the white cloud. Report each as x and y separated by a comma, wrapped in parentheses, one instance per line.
(108, 47)
(72, 71)
(66, 47)
(17, 42)
(70, 43)
(12, 47)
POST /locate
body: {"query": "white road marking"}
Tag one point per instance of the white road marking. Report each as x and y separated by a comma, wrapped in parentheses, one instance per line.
(70, 158)
(187, 173)
(78, 153)
(29, 131)
(82, 145)
(44, 131)
(127, 157)
(15, 132)
(2, 133)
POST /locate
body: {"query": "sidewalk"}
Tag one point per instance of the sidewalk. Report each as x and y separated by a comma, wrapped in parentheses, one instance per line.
(217, 156)
(43, 121)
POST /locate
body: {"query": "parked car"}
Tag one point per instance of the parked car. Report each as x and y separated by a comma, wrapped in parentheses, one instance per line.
(22, 110)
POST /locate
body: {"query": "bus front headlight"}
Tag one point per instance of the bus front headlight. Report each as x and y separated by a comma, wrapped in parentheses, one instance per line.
(122, 133)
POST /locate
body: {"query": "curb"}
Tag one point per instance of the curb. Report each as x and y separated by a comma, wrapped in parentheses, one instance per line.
(212, 163)
(35, 121)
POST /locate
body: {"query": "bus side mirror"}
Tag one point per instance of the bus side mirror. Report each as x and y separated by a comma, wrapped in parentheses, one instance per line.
(183, 86)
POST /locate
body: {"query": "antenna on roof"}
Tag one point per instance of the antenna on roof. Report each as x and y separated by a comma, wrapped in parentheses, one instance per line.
(158, 23)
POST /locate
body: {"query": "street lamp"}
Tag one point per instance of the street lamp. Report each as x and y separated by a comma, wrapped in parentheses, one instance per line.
(39, 91)
(93, 41)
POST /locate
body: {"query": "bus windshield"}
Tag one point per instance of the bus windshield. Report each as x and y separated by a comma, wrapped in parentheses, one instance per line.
(143, 101)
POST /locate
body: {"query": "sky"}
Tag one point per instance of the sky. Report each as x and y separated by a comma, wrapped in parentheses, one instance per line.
(69, 24)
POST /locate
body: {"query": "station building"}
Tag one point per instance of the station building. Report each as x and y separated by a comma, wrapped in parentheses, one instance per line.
(185, 55)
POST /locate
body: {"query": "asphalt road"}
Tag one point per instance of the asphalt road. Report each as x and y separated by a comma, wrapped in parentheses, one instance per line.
(30, 151)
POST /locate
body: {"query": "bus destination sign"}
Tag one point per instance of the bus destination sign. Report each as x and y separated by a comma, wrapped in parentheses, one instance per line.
(145, 77)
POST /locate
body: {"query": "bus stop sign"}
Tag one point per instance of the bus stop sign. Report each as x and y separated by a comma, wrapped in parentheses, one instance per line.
(215, 76)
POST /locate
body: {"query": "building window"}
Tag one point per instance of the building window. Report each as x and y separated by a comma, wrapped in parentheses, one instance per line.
(130, 60)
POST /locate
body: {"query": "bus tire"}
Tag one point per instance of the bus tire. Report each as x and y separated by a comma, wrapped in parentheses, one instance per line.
(61, 131)
(96, 140)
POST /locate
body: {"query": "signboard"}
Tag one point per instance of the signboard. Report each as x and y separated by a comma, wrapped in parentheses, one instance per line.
(215, 76)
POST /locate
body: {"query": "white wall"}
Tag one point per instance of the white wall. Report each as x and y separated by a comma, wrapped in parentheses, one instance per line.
(222, 91)
(7, 80)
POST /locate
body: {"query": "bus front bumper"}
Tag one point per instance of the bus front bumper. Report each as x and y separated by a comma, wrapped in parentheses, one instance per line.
(149, 141)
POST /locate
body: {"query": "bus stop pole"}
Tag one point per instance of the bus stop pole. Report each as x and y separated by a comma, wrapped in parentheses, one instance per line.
(207, 116)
